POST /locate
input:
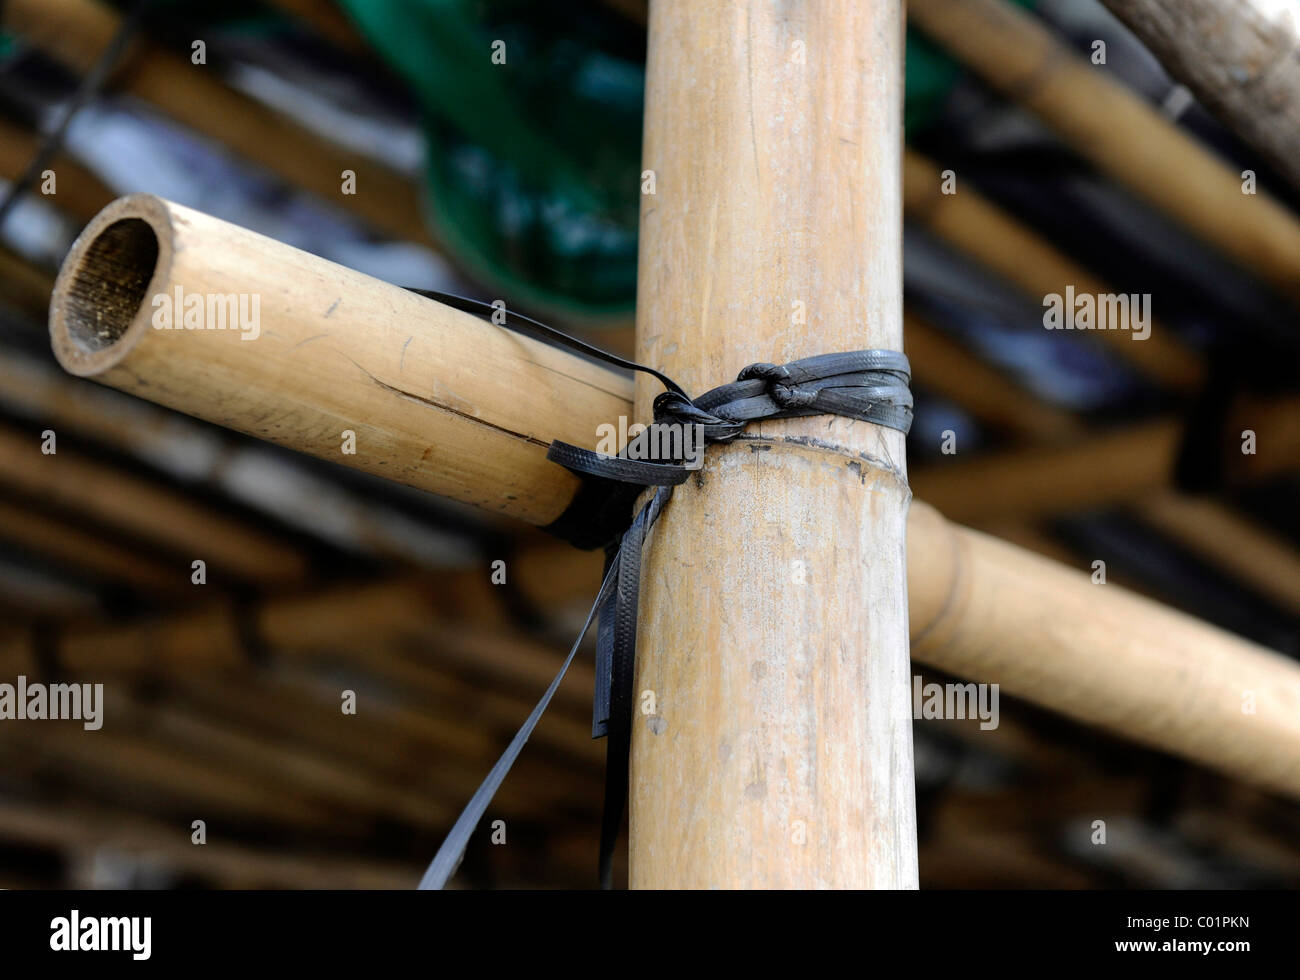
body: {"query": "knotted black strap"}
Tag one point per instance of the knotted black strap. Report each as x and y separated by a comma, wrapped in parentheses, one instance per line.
(871, 385)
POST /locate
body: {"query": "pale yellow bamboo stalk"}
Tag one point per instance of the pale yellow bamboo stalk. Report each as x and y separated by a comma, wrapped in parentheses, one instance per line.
(778, 189)
(1100, 655)
(1121, 134)
(986, 631)
(332, 352)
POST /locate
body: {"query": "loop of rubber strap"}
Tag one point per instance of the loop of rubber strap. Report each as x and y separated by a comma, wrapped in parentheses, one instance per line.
(871, 385)
(448, 858)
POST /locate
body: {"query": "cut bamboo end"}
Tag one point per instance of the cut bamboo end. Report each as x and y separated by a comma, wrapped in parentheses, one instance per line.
(211, 319)
(100, 309)
(449, 419)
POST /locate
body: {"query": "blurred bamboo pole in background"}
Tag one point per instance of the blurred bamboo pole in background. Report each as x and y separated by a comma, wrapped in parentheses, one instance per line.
(1238, 57)
(1118, 132)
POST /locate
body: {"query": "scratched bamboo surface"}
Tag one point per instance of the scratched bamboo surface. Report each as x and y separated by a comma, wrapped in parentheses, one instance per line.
(773, 634)
(992, 632)
(335, 351)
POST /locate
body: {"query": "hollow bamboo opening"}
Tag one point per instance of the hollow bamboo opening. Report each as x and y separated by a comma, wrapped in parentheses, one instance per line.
(102, 296)
(109, 284)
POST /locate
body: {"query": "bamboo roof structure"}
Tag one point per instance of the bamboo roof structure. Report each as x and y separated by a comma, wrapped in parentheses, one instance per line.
(311, 571)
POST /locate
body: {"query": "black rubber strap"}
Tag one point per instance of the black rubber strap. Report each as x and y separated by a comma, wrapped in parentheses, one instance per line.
(449, 855)
(618, 650)
(526, 324)
(871, 385)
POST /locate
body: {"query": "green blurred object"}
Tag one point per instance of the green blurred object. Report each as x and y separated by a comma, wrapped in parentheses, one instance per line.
(532, 120)
(931, 74)
(533, 127)
(534, 156)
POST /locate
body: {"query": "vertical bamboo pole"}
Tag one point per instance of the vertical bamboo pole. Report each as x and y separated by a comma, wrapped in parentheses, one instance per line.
(772, 741)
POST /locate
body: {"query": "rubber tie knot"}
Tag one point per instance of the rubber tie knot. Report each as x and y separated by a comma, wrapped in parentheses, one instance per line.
(786, 395)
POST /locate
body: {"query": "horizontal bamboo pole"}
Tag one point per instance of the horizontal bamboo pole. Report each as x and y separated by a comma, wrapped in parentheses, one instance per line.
(990, 635)
(1103, 656)
(373, 376)
(1239, 59)
(1122, 135)
(334, 352)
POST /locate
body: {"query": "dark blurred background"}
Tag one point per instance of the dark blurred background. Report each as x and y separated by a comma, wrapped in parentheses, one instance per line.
(223, 702)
